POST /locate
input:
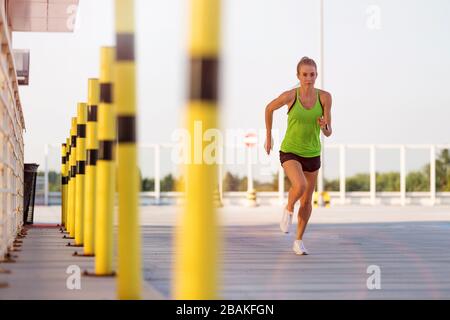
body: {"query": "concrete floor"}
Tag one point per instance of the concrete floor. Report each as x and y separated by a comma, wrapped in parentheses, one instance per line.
(409, 245)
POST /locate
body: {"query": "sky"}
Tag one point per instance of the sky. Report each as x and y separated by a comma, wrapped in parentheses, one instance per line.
(386, 64)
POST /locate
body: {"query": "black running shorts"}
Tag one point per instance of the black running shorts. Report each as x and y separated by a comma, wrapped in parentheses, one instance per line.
(308, 164)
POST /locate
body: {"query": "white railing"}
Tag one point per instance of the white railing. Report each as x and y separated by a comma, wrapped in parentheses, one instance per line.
(11, 144)
(371, 197)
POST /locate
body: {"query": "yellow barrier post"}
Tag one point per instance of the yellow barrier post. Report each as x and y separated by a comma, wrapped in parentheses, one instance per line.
(72, 181)
(91, 159)
(129, 269)
(63, 185)
(80, 173)
(106, 169)
(66, 190)
(326, 199)
(316, 199)
(197, 239)
(65, 230)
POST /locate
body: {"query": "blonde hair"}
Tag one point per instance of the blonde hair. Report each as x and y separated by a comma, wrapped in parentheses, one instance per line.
(306, 61)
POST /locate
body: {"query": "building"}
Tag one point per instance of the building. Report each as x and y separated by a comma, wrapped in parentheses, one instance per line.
(23, 16)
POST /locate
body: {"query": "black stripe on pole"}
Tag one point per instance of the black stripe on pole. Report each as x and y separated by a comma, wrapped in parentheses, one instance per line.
(73, 171)
(91, 157)
(106, 92)
(203, 79)
(63, 160)
(125, 46)
(92, 113)
(74, 141)
(81, 167)
(105, 150)
(64, 180)
(81, 131)
(126, 129)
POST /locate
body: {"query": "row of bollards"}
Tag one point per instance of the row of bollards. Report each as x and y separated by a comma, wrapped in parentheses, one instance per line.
(102, 144)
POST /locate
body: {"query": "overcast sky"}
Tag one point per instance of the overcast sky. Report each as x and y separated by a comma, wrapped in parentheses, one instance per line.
(386, 66)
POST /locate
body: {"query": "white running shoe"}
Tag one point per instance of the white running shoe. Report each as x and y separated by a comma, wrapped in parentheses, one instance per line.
(286, 220)
(299, 247)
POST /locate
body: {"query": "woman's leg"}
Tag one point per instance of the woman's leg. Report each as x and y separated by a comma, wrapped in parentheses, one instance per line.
(294, 172)
(304, 213)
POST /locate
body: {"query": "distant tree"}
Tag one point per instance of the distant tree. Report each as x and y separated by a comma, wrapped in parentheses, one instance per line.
(230, 182)
(332, 185)
(389, 181)
(148, 184)
(168, 183)
(359, 182)
(417, 181)
(443, 171)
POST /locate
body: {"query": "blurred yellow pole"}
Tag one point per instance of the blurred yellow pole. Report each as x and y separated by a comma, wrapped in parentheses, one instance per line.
(63, 184)
(81, 170)
(197, 239)
(67, 168)
(106, 169)
(91, 159)
(129, 269)
(73, 180)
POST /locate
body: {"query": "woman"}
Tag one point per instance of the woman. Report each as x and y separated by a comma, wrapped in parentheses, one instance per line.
(309, 112)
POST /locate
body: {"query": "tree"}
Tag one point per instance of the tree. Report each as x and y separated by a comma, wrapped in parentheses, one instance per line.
(230, 182)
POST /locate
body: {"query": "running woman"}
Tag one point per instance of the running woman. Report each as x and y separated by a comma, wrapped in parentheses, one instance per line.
(309, 112)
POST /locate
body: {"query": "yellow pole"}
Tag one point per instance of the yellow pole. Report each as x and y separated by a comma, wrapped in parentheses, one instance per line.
(129, 267)
(67, 181)
(81, 170)
(106, 170)
(197, 239)
(69, 184)
(63, 184)
(73, 181)
(91, 159)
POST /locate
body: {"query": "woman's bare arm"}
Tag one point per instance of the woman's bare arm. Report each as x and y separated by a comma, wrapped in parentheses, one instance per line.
(326, 100)
(282, 100)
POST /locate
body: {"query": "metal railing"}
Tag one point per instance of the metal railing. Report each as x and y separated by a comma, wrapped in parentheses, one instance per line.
(340, 197)
(11, 144)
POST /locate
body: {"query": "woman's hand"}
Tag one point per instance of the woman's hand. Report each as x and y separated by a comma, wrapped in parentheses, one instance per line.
(268, 144)
(324, 126)
(322, 123)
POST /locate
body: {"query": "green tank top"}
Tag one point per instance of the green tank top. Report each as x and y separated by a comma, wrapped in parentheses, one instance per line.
(303, 132)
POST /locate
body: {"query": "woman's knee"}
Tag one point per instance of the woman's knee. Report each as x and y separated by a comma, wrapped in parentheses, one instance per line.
(306, 202)
(298, 190)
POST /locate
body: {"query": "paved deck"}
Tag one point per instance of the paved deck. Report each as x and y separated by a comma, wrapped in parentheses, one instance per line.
(40, 271)
(409, 245)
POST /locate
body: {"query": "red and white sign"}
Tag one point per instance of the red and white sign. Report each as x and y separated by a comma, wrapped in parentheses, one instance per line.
(250, 139)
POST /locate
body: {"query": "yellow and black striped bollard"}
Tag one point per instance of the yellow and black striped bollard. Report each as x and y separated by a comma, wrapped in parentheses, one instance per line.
(66, 193)
(129, 269)
(80, 174)
(105, 169)
(68, 178)
(91, 159)
(72, 182)
(197, 239)
(63, 185)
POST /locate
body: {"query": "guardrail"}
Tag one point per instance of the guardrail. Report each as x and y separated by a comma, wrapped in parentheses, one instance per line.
(341, 196)
(11, 144)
